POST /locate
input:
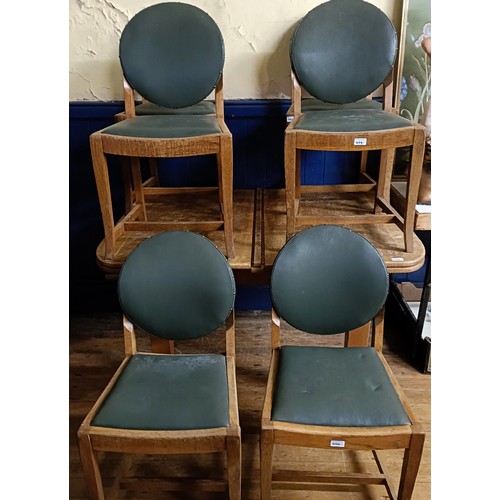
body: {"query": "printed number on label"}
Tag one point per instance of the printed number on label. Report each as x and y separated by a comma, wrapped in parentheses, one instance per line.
(360, 141)
(337, 444)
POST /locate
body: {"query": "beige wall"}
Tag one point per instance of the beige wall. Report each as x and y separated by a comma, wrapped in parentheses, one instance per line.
(256, 35)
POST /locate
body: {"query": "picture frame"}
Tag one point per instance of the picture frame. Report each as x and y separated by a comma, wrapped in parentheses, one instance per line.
(413, 81)
(412, 95)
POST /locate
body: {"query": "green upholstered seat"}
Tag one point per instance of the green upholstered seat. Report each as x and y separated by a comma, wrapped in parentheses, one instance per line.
(200, 108)
(168, 393)
(177, 285)
(172, 54)
(328, 279)
(335, 387)
(342, 50)
(350, 120)
(165, 126)
(312, 104)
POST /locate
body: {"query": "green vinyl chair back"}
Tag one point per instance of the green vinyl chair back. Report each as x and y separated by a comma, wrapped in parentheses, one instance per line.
(172, 54)
(328, 279)
(343, 50)
(176, 285)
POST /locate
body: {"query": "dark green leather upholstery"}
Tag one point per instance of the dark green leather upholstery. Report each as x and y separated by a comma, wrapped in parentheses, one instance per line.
(168, 393)
(345, 387)
(172, 54)
(328, 279)
(350, 120)
(312, 104)
(342, 50)
(200, 108)
(176, 285)
(165, 126)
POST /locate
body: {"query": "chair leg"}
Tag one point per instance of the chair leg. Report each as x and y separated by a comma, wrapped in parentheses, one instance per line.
(363, 162)
(100, 165)
(298, 169)
(219, 177)
(128, 192)
(384, 177)
(234, 466)
(266, 463)
(90, 466)
(153, 172)
(138, 191)
(411, 463)
(413, 184)
(290, 184)
(226, 182)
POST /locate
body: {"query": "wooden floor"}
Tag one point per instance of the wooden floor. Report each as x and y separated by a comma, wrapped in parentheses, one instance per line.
(96, 349)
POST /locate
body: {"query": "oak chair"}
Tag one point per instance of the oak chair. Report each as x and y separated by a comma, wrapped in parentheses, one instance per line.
(340, 53)
(144, 107)
(329, 280)
(171, 54)
(175, 285)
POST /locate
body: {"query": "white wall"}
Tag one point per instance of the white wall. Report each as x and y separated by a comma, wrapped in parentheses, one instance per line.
(256, 35)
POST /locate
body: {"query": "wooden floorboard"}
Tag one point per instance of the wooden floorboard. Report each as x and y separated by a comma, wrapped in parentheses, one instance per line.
(96, 349)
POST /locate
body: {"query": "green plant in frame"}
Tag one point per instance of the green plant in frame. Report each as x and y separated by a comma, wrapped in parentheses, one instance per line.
(416, 78)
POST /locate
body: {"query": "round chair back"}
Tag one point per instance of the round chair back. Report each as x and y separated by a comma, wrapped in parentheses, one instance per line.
(343, 50)
(172, 54)
(177, 285)
(328, 279)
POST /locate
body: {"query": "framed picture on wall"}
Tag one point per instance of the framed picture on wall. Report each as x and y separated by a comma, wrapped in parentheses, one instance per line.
(414, 69)
(413, 80)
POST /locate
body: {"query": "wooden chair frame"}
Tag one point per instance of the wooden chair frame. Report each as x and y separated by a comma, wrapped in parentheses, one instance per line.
(384, 140)
(92, 439)
(128, 185)
(410, 437)
(295, 109)
(130, 112)
(139, 192)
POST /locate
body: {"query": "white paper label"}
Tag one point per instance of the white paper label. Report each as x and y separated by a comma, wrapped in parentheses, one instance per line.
(289, 118)
(337, 444)
(397, 259)
(360, 141)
